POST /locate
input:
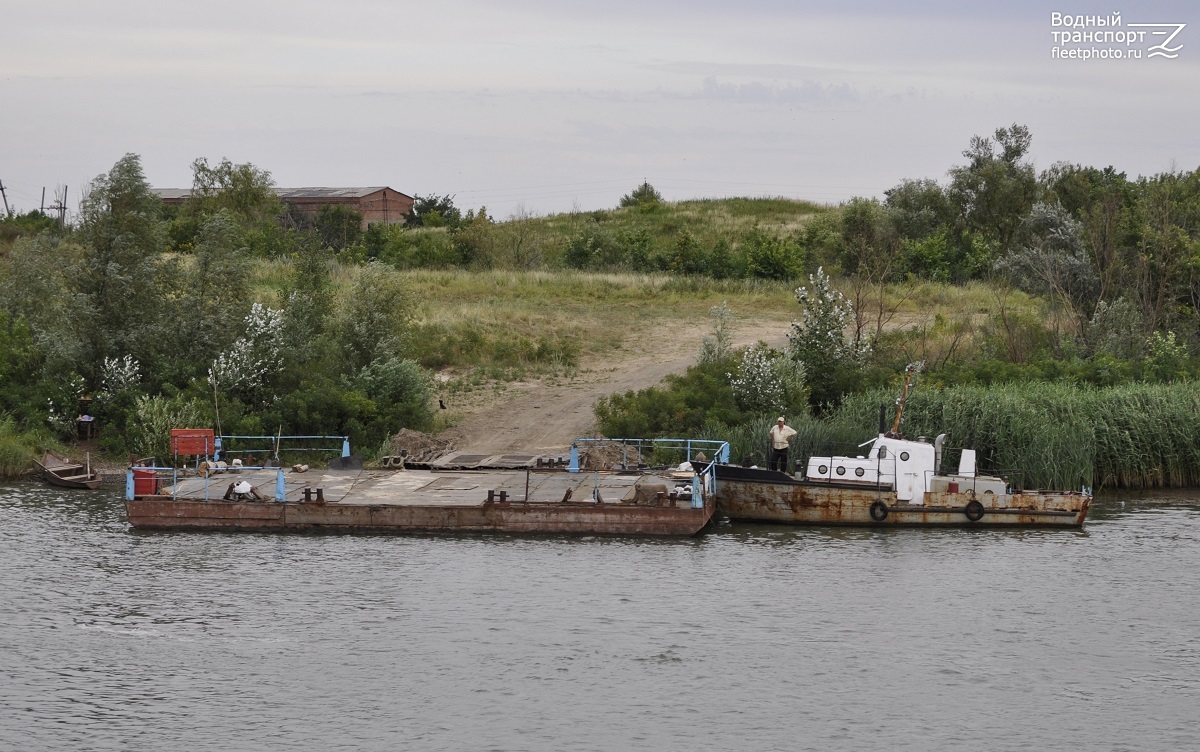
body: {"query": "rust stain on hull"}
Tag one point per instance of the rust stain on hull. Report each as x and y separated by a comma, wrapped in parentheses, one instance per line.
(163, 513)
(419, 501)
(803, 503)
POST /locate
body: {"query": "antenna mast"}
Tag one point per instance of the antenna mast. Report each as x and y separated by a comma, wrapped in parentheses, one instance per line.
(910, 376)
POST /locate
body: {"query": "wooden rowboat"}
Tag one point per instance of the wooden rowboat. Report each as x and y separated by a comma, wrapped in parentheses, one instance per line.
(61, 471)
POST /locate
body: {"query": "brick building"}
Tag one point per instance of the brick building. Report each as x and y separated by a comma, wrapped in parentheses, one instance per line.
(375, 203)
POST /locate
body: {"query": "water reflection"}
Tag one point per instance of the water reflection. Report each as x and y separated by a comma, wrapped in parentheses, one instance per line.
(748, 637)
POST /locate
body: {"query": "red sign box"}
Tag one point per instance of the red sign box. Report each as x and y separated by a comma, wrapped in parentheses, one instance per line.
(200, 441)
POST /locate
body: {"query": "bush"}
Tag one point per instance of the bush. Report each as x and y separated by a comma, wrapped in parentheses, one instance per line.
(644, 197)
(16, 448)
(772, 257)
(403, 393)
(155, 416)
(593, 247)
(423, 249)
(679, 407)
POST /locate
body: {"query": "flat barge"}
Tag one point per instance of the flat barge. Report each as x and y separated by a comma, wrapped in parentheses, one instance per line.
(424, 501)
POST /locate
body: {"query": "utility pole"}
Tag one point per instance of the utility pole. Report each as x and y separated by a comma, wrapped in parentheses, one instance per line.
(5, 196)
(42, 208)
(60, 204)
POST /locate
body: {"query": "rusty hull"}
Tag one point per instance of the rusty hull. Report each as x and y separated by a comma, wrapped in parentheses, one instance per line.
(803, 503)
(163, 513)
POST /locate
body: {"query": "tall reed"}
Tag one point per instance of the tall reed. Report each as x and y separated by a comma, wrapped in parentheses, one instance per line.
(1057, 435)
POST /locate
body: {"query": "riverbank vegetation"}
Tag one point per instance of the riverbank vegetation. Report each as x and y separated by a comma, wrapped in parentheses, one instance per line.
(231, 309)
(18, 447)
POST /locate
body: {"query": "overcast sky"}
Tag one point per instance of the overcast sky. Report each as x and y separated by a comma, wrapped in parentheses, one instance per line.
(551, 105)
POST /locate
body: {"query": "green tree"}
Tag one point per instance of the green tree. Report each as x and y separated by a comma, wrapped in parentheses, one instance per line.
(245, 193)
(593, 247)
(307, 312)
(402, 390)
(643, 197)
(870, 256)
(919, 208)
(687, 256)
(373, 317)
(433, 211)
(338, 227)
(243, 190)
(995, 190)
(119, 284)
(1163, 249)
(29, 223)
(1050, 260)
(832, 363)
(770, 256)
(216, 295)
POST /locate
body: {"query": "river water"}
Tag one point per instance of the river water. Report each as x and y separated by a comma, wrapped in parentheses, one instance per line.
(745, 638)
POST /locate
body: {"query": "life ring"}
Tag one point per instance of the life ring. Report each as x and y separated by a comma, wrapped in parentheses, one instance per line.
(973, 510)
(879, 511)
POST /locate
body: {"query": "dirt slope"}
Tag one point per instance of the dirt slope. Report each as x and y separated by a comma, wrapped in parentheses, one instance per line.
(541, 418)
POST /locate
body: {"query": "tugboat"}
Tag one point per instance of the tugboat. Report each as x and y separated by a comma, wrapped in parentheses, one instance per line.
(896, 481)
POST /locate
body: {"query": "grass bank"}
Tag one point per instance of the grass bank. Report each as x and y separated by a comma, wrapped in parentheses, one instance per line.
(514, 324)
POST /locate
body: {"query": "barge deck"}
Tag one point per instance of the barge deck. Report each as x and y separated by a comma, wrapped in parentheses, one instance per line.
(423, 501)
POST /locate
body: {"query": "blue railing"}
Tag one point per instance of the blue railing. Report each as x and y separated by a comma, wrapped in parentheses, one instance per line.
(704, 480)
(720, 449)
(218, 451)
(133, 473)
(277, 441)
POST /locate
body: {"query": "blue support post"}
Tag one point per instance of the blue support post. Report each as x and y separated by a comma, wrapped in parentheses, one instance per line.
(723, 453)
(574, 466)
(346, 446)
(280, 489)
(697, 497)
(217, 450)
(129, 484)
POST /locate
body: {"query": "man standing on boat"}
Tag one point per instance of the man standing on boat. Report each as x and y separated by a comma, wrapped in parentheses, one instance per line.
(780, 434)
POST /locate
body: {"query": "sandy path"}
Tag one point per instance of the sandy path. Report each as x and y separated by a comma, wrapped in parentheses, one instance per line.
(541, 418)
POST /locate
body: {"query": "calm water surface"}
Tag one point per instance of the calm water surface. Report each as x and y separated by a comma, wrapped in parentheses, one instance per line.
(747, 638)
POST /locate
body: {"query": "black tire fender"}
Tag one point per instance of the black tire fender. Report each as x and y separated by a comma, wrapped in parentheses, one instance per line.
(879, 511)
(974, 510)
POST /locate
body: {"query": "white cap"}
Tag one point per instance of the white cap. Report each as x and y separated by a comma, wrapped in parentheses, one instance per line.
(780, 419)
(243, 487)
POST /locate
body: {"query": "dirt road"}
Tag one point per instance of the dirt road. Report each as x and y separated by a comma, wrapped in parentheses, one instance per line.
(541, 418)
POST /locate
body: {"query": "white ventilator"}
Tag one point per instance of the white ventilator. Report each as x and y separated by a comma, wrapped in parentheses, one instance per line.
(966, 463)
